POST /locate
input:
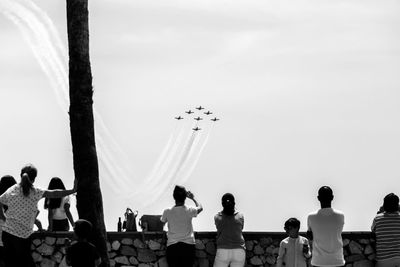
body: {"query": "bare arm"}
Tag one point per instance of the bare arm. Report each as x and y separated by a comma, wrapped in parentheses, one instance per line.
(61, 193)
(198, 205)
(68, 213)
(2, 216)
(50, 219)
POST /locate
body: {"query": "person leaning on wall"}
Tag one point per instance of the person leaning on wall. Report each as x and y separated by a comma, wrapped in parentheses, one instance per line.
(22, 200)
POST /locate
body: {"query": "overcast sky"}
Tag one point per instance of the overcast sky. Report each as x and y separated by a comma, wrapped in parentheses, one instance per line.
(307, 92)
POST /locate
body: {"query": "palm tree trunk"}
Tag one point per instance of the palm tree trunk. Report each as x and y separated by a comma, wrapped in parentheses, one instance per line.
(89, 198)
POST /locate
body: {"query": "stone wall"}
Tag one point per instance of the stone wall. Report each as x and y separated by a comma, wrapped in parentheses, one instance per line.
(148, 249)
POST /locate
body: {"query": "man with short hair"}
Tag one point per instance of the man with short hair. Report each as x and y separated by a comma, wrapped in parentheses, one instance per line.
(386, 227)
(325, 228)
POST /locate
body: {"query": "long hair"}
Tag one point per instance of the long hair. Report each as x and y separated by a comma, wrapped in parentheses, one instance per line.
(228, 204)
(53, 203)
(6, 182)
(28, 176)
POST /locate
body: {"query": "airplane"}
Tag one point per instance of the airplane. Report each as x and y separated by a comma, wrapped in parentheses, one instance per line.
(198, 119)
(200, 108)
(179, 118)
(208, 112)
(215, 119)
(189, 112)
(196, 129)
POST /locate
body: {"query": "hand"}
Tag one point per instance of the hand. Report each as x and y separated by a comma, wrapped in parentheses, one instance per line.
(189, 195)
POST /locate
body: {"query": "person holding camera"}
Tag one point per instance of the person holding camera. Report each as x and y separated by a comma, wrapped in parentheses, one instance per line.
(180, 236)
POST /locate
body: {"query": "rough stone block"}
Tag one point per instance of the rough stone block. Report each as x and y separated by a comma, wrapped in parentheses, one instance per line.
(162, 262)
(112, 254)
(45, 249)
(270, 250)
(345, 242)
(137, 243)
(161, 253)
(146, 255)
(108, 247)
(355, 248)
(368, 250)
(144, 265)
(133, 260)
(57, 257)
(249, 245)
(256, 261)
(127, 241)
(266, 241)
(201, 254)
(121, 260)
(49, 240)
(115, 245)
(271, 259)
(36, 257)
(153, 245)
(128, 251)
(354, 258)
(258, 250)
(364, 241)
(112, 263)
(60, 241)
(203, 263)
(199, 244)
(37, 242)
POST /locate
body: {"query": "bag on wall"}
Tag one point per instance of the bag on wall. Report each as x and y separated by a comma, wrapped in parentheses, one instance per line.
(130, 220)
(151, 223)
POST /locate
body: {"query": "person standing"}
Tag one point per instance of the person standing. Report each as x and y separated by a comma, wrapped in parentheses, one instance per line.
(180, 236)
(386, 227)
(325, 228)
(22, 200)
(231, 250)
(58, 208)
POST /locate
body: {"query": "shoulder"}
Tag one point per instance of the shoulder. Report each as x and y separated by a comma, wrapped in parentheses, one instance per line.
(284, 241)
(312, 214)
(302, 238)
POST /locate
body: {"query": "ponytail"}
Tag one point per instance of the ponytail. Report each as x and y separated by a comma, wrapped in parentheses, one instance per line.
(28, 175)
(26, 184)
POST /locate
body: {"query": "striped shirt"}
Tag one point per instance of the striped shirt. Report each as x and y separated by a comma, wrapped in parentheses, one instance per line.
(386, 227)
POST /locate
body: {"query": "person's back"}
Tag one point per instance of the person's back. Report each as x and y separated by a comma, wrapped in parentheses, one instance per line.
(325, 226)
(82, 253)
(386, 227)
(179, 220)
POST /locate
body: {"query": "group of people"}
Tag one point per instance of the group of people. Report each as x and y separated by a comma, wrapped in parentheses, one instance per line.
(18, 214)
(324, 226)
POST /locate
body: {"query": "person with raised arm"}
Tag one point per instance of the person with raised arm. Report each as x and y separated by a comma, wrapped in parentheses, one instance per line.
(180, 236)
(21, 200)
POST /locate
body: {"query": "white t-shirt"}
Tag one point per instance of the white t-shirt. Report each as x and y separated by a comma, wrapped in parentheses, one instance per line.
(59, 213)
(180, 228)
(22, 211)
(327, 225)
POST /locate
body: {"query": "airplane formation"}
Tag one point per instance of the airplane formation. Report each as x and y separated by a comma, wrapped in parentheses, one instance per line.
(200, 108)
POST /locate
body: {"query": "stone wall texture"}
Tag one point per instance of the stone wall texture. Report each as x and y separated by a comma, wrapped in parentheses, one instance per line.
(148, 249)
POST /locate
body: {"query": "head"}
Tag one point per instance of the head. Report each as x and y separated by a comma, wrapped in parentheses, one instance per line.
(82, 229)
(292, 227)
(6, 182)
(53, 203)
(391, 203)
(325, 195)
(228, 203)
(28, 176)
(179, 194)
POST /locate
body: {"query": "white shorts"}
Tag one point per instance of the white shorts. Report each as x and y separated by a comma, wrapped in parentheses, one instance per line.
(230, 257)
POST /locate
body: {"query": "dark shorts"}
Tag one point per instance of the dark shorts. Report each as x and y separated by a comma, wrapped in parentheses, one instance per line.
(60, 225)
(180, 255)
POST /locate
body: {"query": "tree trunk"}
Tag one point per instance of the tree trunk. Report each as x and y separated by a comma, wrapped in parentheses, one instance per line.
(89, 198)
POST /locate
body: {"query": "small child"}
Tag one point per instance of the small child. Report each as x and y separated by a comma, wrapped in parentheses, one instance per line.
(294, 251)
(82, 253)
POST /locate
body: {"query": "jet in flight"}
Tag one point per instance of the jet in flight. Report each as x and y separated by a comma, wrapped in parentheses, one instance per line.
(179, 118)
(215, 119)
(198, 119)
(196, 129)
(208, 112)
(189, 112)
(200, 108)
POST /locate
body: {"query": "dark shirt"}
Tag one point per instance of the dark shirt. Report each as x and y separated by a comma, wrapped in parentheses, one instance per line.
(82, 254)
(229, 230)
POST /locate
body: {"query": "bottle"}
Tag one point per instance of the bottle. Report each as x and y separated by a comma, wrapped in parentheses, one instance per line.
(119, 225)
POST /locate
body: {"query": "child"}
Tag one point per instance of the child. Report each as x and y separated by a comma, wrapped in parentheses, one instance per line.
(82, 253)
(294, 251)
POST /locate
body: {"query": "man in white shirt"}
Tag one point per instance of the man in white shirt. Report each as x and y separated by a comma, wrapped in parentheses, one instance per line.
(325, 228)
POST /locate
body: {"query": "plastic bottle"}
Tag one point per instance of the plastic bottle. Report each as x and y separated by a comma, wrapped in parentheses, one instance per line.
(119, 225)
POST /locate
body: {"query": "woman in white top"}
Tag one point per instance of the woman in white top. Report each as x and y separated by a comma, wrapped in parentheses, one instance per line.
(58, 208)
(20, 216)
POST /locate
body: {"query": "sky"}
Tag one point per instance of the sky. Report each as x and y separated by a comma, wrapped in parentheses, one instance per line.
(307, 93)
